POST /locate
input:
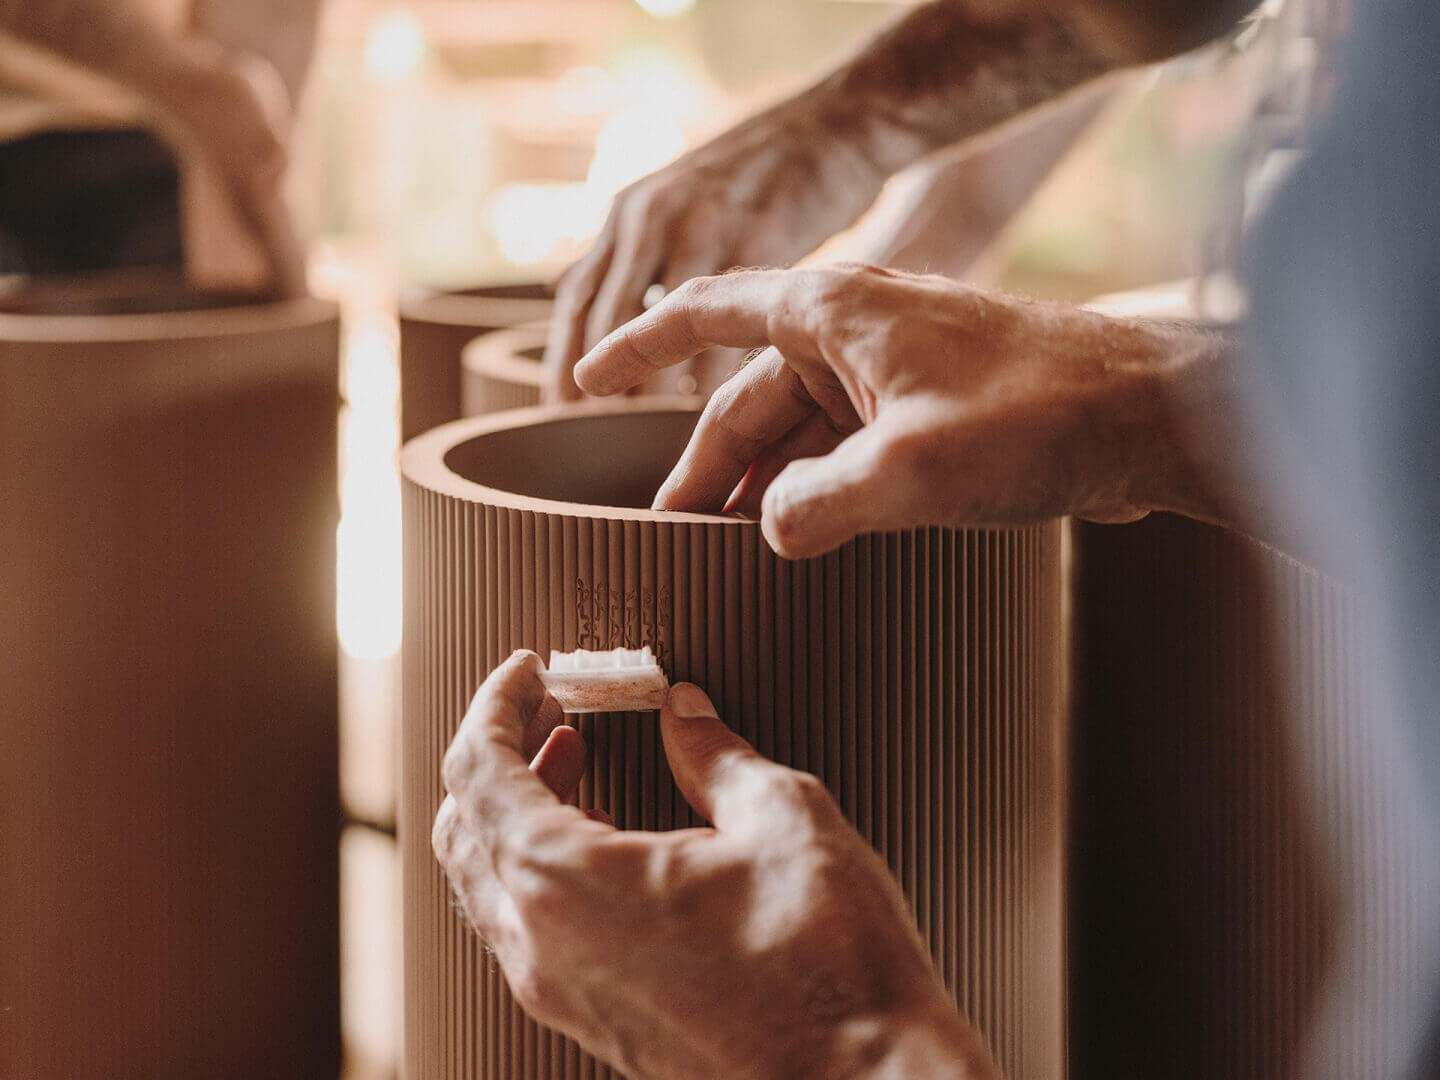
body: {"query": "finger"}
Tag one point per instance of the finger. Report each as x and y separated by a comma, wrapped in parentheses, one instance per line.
(500, 799)
(817, 504)
(639, 253)
(757, 408)
(735, 309)
(814, 437)
(561, 762)
(694, 253)
(574, 294)
(692, 256)
(481, 896)
(718, 772)
(538, 728)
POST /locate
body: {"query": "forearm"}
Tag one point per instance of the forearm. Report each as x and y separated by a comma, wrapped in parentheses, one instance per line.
(1198, 460)
(110, 39)
(942, 74)
(967, 198)
(282, 31)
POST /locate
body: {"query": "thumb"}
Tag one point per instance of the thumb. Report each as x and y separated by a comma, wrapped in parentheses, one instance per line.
(817, 504)
(719, 773)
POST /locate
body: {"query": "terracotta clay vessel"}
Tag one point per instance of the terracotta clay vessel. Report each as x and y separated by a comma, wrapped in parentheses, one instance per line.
(1219, 742)
(435, 327)
(503, 370)
(919, 674)
(168, 858)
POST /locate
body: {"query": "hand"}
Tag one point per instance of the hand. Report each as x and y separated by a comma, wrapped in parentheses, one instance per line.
(775, 944)
(236, 110)
(764, 193)
(894, 401)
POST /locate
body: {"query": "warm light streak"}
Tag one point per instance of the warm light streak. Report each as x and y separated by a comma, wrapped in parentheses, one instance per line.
(533, 222)
(585, 91)
(634, 142)
(395, 47)
(666, 8)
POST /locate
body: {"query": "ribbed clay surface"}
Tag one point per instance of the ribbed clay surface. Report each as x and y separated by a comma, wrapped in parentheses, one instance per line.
(916, 673)
(503, 370)
(168, 758)
(434, 329)
(1222, 774)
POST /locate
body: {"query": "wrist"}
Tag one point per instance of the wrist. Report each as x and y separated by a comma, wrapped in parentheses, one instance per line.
(847, 118)
(1188, 406)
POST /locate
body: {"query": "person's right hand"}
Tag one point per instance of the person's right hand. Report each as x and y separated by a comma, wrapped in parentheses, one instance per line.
(895, 401)
(765, 193)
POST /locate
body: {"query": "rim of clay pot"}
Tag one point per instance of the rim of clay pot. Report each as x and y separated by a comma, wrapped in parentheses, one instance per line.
(509, 355)
(481, 306)
(213, 314)
(426, 460)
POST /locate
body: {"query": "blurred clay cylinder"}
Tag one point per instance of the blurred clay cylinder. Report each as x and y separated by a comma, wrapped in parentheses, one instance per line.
(434, 329)
(918, 674)
(503, 370)
(168, 854)
(1224, 793)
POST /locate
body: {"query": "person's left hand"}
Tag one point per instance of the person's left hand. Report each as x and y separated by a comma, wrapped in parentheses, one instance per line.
(775, 944)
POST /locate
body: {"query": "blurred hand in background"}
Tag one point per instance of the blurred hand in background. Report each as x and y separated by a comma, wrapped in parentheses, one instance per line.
(215, 80)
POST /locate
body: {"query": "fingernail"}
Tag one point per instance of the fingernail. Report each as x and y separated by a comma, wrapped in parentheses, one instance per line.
(691, 703)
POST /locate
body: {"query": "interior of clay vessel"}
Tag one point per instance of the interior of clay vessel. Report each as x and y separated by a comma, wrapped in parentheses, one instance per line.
(609, 459)
(534, 291)
(157, 296)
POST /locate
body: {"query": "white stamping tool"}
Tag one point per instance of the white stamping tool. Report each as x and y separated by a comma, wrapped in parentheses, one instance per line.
(621, 680)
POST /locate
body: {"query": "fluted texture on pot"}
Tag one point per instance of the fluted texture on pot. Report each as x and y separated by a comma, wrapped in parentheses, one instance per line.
(918, 674)
(503, 370)
(1223, 777)
(168, 760)
(434, 329)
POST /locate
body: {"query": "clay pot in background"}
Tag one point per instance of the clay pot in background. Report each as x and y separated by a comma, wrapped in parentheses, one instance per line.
(168, 859)
(435, 327)
(503, 370)
(917, 673)
(1221, 777)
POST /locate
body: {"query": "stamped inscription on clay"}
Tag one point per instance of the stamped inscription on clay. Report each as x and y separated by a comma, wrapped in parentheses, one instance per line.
(607, 618)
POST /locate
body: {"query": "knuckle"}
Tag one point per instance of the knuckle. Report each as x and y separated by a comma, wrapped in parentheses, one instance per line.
(527, 987)
(541, 897)
(804, 795)
(692, 293)
(442, 834)
(790, 519)
(458, 764)
(809, 792)
(827, 286)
